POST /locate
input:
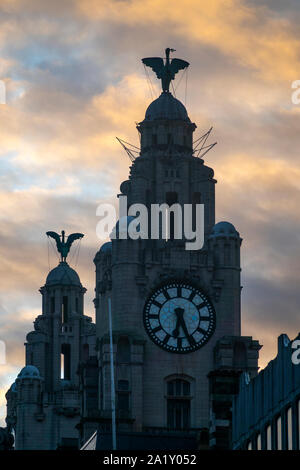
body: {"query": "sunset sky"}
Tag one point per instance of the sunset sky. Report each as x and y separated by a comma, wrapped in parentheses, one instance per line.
(74, 81)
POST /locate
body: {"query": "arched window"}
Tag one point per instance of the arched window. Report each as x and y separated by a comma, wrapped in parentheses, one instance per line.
(178, 404)
(258, 442)
(171, 198)
(65, 309)
(289, 428)
(269, 437)
(65, 361)
(278, 433)
(123, 350)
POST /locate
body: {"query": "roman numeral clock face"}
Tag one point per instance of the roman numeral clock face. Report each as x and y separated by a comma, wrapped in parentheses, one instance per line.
(179, 317)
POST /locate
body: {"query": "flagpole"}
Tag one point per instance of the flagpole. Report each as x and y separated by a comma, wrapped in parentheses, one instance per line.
(112, 376)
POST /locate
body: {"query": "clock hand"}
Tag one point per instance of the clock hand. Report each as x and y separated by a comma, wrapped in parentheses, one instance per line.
(175, 332)
(183, 326)
(179, 313)
(185, 330)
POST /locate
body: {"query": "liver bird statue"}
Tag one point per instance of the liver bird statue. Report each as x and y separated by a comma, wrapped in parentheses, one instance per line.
(165, 71)
(63, 247)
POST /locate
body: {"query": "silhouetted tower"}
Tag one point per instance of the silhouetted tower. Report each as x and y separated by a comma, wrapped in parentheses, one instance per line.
(171, 306)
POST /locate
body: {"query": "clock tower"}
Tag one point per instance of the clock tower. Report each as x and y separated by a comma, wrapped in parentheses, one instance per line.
(176, 313)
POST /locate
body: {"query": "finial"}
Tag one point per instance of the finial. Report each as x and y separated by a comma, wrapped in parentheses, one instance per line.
(165, 71)
(64, 247)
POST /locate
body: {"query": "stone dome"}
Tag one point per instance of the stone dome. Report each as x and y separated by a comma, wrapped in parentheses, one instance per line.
(29, 372)
(106, 247)
(63, 275)
(166, 107)
(224, 229)
(13, 388)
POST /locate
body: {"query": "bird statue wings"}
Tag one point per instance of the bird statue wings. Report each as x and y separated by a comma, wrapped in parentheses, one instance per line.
(63, 247)
(165, 71)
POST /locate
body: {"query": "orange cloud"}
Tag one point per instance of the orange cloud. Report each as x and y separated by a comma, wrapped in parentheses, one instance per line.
(253, 35)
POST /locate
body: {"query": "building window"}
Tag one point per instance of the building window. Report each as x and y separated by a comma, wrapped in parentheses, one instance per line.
(289, 428)
(249, 446)
(178, 388)
(123, 395)
(65, 362)
(52, 305)
(65, 310)
(278, 434)
(154, 139)
(178, 404)
(269, 437)
(171, 198)
(258, 442)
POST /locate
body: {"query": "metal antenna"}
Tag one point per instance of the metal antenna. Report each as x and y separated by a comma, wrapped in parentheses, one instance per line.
(200, 152)
(131, 150)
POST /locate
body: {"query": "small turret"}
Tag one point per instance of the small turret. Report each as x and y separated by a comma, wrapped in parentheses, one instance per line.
(224, 241)
(29, 385)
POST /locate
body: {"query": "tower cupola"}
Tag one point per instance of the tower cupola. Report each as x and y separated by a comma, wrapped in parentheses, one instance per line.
(166, 126)
(63, 274)
(166, 107)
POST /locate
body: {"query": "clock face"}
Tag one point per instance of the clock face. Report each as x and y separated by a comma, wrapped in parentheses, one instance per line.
(178, 317)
